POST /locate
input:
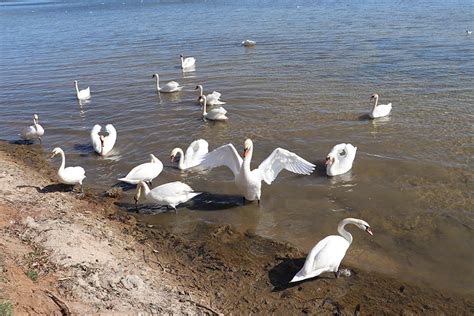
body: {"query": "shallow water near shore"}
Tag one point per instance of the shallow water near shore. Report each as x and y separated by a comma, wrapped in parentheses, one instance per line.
(304, 87)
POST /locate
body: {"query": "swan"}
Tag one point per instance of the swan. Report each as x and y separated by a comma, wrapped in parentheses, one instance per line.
(212, 98)
(188, 62)
(69, 175)
(468, 32)
(248, 43)
(194, 154)
(249, 182)
(169, 194)
(171, 86)
(327, 255)
(82, 94)
(103, 144)
(215, 114)
(34, 131)
(340, 159)
(145, 172)
(379, 110)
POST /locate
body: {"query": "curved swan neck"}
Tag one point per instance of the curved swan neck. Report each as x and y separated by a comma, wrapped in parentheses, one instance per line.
(63, 160)
(341, 230)
(376, 101)
(77, 87)
(201, 90)
(182, 60)
(157, 82)
(145, 188)
(248, 159)
(181, 158)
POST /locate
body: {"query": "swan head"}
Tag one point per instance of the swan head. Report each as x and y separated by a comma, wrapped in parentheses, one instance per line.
(248, 145)
(364, 226)
(198, 87)
(55, 152)
(138, 193)
(330, 158)
(154, 76)
(181, 56)
(75, 82)
(374, 96)
(202, 99)
(35, 117)
(174, 152)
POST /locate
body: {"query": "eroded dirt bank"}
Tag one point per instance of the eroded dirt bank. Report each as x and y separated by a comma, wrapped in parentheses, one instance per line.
(63, 254)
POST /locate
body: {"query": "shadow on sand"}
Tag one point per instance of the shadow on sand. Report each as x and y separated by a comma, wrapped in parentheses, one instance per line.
(57, 187)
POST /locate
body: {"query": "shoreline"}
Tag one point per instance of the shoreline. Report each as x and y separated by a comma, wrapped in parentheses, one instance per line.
(62, 253)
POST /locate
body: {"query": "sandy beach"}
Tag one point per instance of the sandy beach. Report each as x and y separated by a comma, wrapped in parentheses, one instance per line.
(63, 254)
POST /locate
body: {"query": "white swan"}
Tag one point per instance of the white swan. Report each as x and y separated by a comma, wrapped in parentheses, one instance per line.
(327, 255)
(69, 175)
(103, 144)
(34, 131)
(468, 32)
(188, 62)
(145, 172)
(169, 194)
(249, 182)
(171, 86)
(194, 154)
(248, 43)
(215, 114)
(379, 110)
(212, 98)
(82, 94)
(340, 159)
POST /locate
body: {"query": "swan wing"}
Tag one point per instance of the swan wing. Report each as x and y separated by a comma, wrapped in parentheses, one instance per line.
(196, 151)
(74, 173)
(28, 132)
(111, 138)
(95, 138)
(219, 110)
(281, 159)
(216, 95)
(144, 172)
(225, 155)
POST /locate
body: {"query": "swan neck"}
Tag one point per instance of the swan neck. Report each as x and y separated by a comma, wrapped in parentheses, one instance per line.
(376, 101)
(204, 107)
(145, 188)
(181, 158)
(343, 232)
(157, 83)
(200, 91)
(248, 159)
(63, 161)
(77, 87)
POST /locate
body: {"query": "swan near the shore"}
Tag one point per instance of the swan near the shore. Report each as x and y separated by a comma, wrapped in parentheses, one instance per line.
(212, 98)
(194, 154)
(169, 194)
(340, 159)
(145, 172)
(82, 94)
(379, 110)
(327, 255)
(169, 87)
(187, 63)
(69, 175)
(215, 114)
(103, 144)
(34, 131)
(249, 182)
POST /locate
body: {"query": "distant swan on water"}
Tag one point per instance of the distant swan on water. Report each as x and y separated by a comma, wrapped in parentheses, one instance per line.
(248, 43)
(215, 114)
(34, 131)
(379, 110)
(82, 94)
(169, 87)
(340, 159)
(327, 255)
(187, 63)
(212, 98)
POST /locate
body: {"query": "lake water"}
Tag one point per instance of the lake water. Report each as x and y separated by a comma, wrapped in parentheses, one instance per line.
(304, 87)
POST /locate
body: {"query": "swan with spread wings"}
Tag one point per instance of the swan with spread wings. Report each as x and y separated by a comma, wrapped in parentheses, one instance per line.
(249, 182)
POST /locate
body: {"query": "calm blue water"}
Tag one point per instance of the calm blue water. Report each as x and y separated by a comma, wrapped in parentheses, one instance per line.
(304, 87)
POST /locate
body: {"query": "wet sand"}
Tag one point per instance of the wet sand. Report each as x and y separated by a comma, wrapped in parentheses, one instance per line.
(91, 256)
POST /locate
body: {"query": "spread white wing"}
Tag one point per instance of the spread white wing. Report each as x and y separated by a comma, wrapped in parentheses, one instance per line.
(281, 159)
(225, 155)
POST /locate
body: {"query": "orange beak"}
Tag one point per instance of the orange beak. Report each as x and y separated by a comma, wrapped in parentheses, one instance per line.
(369, 231)
(326, 162)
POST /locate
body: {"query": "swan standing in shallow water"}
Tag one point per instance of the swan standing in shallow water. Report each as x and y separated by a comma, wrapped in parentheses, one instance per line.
(187, 63)
(82, 94)
(211, 98)
(194, 154)
(145, 172)
(169, 87)
(340, 159)
(34, 131)
(327, 255)
(169, 194)
(249, 182)
(215, 114)
(69, 175)
(379, 110)
(103, 144)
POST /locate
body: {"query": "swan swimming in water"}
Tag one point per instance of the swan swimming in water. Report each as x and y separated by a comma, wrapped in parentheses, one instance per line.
(82, 94)
(34, 131)
(340, 159)
(169, 87)
(211, 98)
(103, 144)
(248, 43)
(169, 194)
(379, 110)
(69, 175)
(215, 114)
(187, 63)
(327, 255)
(249, 182)
(194, 154)
(145, 172)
